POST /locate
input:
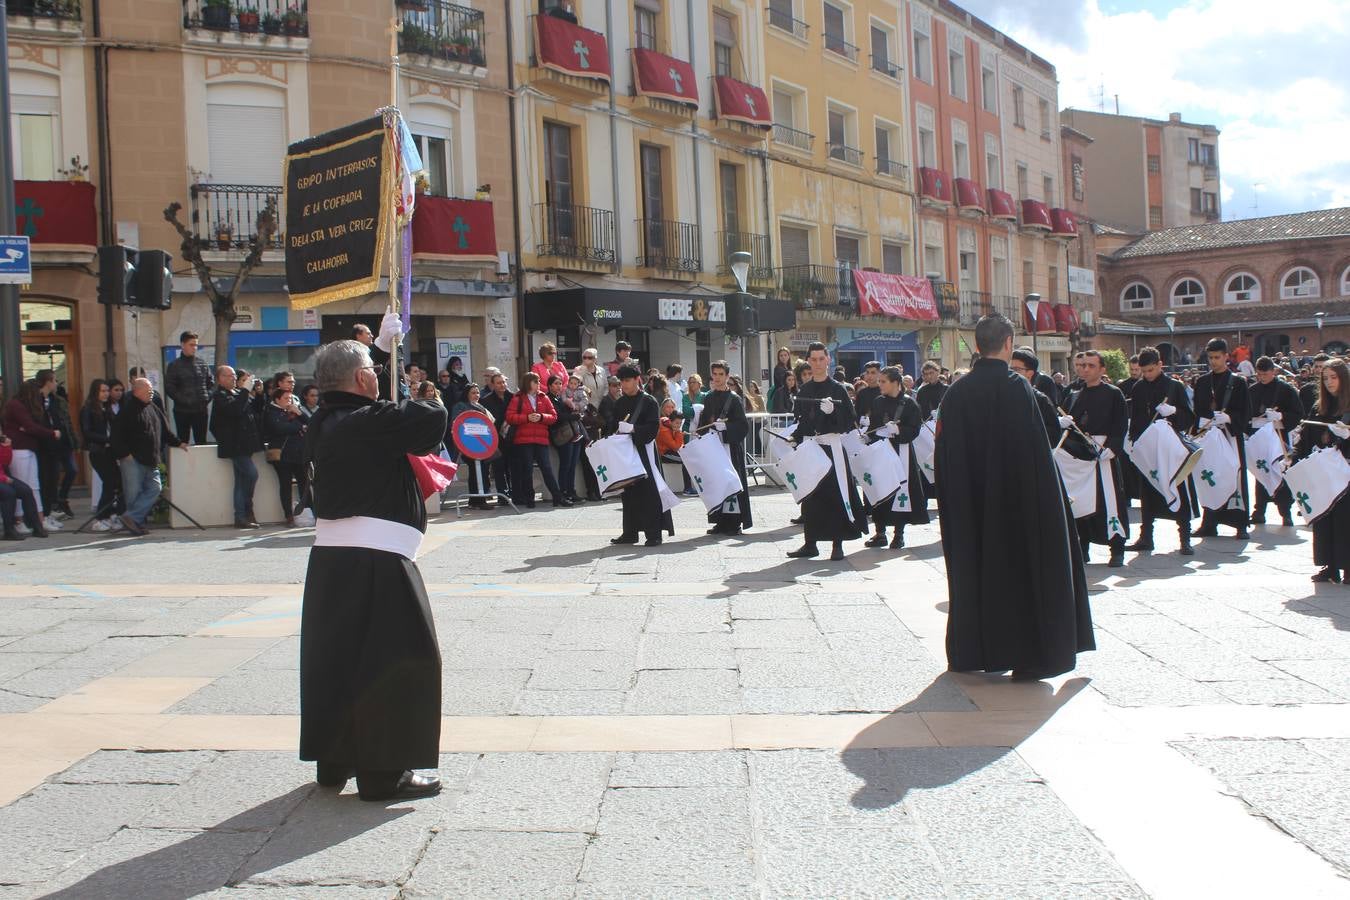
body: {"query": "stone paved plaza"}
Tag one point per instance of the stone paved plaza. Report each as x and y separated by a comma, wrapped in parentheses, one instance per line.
(703, 719)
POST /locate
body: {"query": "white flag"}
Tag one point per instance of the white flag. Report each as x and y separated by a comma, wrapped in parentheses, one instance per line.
(1080, 482)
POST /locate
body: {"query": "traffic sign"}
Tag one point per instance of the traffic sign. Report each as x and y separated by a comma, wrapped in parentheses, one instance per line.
(475, 435)
(16, 260)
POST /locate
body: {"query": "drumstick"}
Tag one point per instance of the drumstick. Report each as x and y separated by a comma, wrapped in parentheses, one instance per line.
(1086, 436)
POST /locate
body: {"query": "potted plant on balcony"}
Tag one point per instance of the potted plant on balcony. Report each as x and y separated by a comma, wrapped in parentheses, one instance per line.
(248, 19)
(271, 23)
(224, 235)
(76, 172)
(411, 5)
(216, 14)
(293, 21)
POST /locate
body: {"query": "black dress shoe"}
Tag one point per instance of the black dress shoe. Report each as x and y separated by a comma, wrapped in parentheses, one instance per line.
(594, 498)
(1241, 535)
(898, 542)
(652, 541)
(1211, 531)
(1327, 576)
(837, 553)
(1288, 521)
(1117, 558)
(331, 775)
(1141, 546)
(408, 786)
(805, 551)
(876, 540)
(562, 501)
(716, 529)
(12, 535)
(1259, 519)
(624, 539)
(796, 521)
(1187, 550)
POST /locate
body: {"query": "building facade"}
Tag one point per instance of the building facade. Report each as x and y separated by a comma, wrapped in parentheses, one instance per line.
(1164, 172)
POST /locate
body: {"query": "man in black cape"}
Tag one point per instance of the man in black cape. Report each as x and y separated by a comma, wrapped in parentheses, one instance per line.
(1018, 597)
(1027, 364)
(637, 415)
(929, 394)
(1273, 400)
(1221, 400)
(1156, 395)
(869, 392)
(823, 410)
(895, 418)
(724, 412)
(370, 667)
(1099, 411)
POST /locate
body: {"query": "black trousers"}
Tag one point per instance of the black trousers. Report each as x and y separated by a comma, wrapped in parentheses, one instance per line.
(191, 425)
(49, 473)
(286, 473)
(110, 501)
(527, 457)
(1283, 500)
(15, 496)
(592, 483)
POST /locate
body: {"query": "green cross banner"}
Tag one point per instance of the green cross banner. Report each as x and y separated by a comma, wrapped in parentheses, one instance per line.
(1262, 465)
(601, 470)
(699, 481)
(867, 477)
(1207, 476)
(1153, 473)
(30, 212)
(904, 498)
(583, 54)
(461, 229)
(1303, 503)
(792, 479)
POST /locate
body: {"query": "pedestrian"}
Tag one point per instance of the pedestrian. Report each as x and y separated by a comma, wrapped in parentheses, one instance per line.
(824, 412)
(692, 400)
(496, 401)
(1331, 530)
(25, 421)
(530, 414)
(115, 391)
(1273, 401)
(470, 401)
(869, 392)
(309, 398)
(284, 423)
(188, 383)
(458, 382)
(1099, 411)
(235, 423)
(15, 495)
(675, 384)
(609, 404)
(370, 667)
(670, 440)
(548, 364)
(139, 432)
(567, 433)
(895, 417)
(1221, 402)
(783, 367)
(754, 400)
(63, 453)
(724, 413)
(1017, 595)
(623, 355)
(1158, 396)
(96, 426)
(638, 416)
(784, 396)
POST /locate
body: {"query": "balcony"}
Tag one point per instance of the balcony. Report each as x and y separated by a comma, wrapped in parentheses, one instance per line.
(835, 43)
(1010, 308)
(580, 235)
(225, 216)
(969, 197)
(812, 286)
(885, 67)
(670, 246)
(665, 88)
(783, 21)
(846, 154)
(567, 60)
(1211, 171)
(1001, 205)
(1064, 224)
(801, 140)
(212, 22)
(757, 245)
(48, 17)
(892, 169)
(445, 35)
(935, 188)
(1036, 216)
(972, 306)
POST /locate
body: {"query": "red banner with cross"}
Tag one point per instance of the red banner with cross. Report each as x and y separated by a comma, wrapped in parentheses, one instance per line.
(571, 49)
(57, 215)
(454, 230)
(666, 77)
(741, 102)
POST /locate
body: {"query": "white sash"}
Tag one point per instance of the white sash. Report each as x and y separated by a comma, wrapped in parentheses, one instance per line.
(902, 502)
(368, 533)
(1114, 528)
(840, 461)
(668, 499)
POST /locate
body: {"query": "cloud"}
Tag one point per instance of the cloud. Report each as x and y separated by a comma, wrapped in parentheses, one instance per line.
(1272, 80)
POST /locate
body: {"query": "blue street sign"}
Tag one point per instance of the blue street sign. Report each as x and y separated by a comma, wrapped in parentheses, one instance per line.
(16, 260)
(475, 435)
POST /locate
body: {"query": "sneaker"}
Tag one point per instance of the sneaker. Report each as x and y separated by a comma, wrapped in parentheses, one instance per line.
(22, 529)
(101, 525)
(51, 523)
(58, 514)
(115, 524)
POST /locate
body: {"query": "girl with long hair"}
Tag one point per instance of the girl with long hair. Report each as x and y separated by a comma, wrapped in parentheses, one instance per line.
(96, 427)
(1331, 532)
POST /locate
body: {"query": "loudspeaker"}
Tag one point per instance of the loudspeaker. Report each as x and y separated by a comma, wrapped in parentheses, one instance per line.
(742, 314)
(154, 280)
(116, 275)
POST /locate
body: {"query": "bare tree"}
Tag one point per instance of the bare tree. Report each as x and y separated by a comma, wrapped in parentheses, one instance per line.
(222, 304)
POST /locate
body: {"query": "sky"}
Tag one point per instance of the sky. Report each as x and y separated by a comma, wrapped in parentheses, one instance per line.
(1274, 78)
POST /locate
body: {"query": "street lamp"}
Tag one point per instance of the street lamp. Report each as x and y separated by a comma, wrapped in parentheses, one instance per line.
(1318, 317)
(1033, 302)
(740, 270)
(1170, 320)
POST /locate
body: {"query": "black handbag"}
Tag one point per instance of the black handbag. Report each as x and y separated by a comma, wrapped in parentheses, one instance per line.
(565, 433)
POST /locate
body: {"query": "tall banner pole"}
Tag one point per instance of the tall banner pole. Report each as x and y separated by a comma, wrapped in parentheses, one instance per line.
(395, 374)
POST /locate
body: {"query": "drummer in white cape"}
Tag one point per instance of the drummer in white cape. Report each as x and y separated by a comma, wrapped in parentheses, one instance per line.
(724, 413)
(1221, 402)
(1098, 410)
(896, 418)
(1331, 530)
(1273, 402)
(1158, 396)
(638, 416)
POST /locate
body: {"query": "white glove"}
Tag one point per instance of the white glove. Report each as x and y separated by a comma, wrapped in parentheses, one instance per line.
(1221, 418)
(889, 430)
(1274, 415)
(827, 406)
(1203, 423)
(1108, 453)
(1165, 409)
(625, 428)
(1066, 421)
(1341, 430)
(863, 422)
(720, 425)
(391, 328)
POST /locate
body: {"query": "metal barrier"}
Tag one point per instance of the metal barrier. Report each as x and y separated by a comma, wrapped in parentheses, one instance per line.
(759, 457)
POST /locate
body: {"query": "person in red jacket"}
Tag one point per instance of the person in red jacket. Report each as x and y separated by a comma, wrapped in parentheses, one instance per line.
(14, 493)
(530, 414)
(549, 365)
(25, 421)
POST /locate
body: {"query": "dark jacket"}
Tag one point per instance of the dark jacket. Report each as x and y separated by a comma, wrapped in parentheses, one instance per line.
(188, 382)
(234, 422)
(496, 406)
(58, 415)
(285, 433)
(140, 430)
(28, 432)
(96, 426)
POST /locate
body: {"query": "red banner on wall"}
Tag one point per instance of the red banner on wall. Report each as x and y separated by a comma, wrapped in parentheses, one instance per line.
(57, 215)
(741, 102)
(571, 49)
(902, 296)
(665, 77)
(454, 230)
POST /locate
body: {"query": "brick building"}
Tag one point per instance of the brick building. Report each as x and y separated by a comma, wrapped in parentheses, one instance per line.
(1259, 282)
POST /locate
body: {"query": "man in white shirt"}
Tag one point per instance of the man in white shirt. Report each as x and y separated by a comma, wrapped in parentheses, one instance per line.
(675, 384)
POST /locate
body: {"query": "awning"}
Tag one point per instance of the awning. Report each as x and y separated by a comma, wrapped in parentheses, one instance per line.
(1035, 214)
(454, 230)
(56, 215)
(610, 308)
(934, 185)
(1064, 224)
(664, 77)
(571, 49)
(1001, 205)
(969, 197)
(741, 102)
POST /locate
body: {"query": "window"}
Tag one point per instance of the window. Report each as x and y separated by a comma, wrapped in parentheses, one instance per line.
(1028, 277)
(993, 167)
(558, 183)
(1242, 288)
(1193, 150)
(988, 91)
(1045, 119)
(956, 70)
(1048, 189)
(1023, 188)
(838, 129)
(1345, 282)
(893, 258)
(836, 31)
(934, 259)
(1154, 163)
(789, 127)
(35, 125)
(888, 139)
(724, 44)
(1301, 282)
(1054, 283)
(1209, 203)
(246, 134)
(846, 251)
(843, 130)
(1136, 295)
(999, 276)
(781, 15)
(646, 15)
(968, 261)
(960, 149)
(1155, 217)
(923, 52)
(927, 133)
(729, 190)
(1208, 155)
(435, 153)
(795, 245)
(784, 108)
(1188, 292)
(881, 52)
(1195, 200)
(653, 205)
(1019, 108)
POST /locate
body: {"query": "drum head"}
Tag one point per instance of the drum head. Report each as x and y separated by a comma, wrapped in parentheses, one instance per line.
(1187, 467)
(1079, 447)
(617, 487)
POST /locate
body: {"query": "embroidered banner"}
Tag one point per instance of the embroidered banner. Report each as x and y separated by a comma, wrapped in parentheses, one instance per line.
(571, 49)
(56, 215)
(666, 77)
(454, 230)
(741, 102)
(902, 296)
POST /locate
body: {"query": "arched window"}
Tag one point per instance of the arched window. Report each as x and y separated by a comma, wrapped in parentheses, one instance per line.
(1188, 292)
(1136, 295)
(1242, 288)
(1345, 282)
(1300, 282)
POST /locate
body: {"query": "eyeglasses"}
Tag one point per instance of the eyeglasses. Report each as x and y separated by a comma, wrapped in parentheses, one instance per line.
(588, 357)
(377, 368)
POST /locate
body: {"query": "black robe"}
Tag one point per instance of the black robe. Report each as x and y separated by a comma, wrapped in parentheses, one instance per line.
(1049, 414)
(1331, 531)
(929, 397)
(370, 667)
(1101, 410)
(1018, 596)
(1228, 392)
(823, 511)
(863, 400)
(727, 405)
(1309, 394)
(641, 500)
(904, 412)
(1278, 395)
(1144, 400)
(1127, 386)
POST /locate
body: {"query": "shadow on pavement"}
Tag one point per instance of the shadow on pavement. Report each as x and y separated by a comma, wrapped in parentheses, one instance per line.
(889, 774)
(1328, 601)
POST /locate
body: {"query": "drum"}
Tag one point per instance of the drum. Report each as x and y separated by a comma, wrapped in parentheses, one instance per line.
(924, 445)
(1164, 460)
(1079, 477)
(1318, 481)
(877, 471)
(709, 463)
(804, 468)
(854, 443)
(616, 463)
(1265, 457)
(1217, 480)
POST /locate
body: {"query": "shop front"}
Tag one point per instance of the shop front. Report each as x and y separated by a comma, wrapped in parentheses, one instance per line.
(855, 347)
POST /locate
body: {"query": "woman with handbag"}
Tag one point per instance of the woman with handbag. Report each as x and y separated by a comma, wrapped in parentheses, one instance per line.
(567, 434)
(530, 415)
(284, 423)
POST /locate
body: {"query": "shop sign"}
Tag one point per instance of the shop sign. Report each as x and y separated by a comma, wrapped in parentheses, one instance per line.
(690, 309)
(1082, 281)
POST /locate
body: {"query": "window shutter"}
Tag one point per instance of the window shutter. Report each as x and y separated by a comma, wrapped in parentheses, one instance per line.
(248, 143)
(652, 6)
(795, 246)
(723, 32)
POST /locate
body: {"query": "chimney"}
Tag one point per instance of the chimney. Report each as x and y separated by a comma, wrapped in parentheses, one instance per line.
(1174, 117)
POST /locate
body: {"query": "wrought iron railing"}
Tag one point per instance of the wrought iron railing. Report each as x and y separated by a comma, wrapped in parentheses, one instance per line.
(269, 17)
(670, 246)
(444, 31)
(575, 232)
(757, 245)
(784, 21)
(892, 168)
(883, 65)
(813, 285)
(1010, 307)
(835, 43)
(63, 10)
(225, 216)
(972, 306)
(844, 153)
(786, 134)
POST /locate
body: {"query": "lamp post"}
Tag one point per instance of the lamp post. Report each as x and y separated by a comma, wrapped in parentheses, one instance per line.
(1033, 302)
(740, 270)
(1318, 317)
(1170, 320)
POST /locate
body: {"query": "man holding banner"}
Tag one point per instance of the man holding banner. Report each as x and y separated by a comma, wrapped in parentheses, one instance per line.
(725, 414)
(1098, 411)
(1277, 404)
(1221, 402)
(824, 414)
(645, 509)
(895, 418)
(1158, 397)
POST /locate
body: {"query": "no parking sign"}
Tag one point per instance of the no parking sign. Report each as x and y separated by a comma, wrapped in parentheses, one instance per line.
(475, 435)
